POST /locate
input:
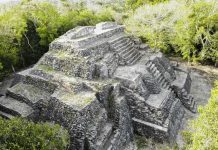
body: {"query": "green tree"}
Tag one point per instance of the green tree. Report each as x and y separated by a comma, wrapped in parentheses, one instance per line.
(155, 23)
(196, 34)
(20, 134)
(12, 27)
(204, 133)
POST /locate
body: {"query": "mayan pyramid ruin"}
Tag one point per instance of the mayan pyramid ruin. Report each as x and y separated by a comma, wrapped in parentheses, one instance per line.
(104, 86)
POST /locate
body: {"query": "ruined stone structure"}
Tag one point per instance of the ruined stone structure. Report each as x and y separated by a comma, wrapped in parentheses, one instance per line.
(104, 86)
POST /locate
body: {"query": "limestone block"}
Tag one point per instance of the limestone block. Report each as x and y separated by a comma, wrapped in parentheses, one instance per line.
(81, 32)
(105, 25)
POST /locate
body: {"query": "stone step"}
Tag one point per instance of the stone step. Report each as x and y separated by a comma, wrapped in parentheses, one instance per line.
(131, 55)
(128, 52)
(124, 51)
(118, 40)
(187, 99)
(122, 45)
(154, 128)
(104, 136)
(119, 43)
(159, 75)
(160, 79)
(190, 103)
(40, 82)
(193, 104)
(14, 107)
(194, 109)
(162, 82)
(135, 59)
(156, 73)
(164, 85)
(116, 37)
(149, 64)
(169, 87)
(6, 115)
(110, 147)
(27, 93)
(153, 68)
(132, 59)
(191, 97)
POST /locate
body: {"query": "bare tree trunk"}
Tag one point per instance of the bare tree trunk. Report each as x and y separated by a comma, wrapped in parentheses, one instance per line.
(13, 68)
(28, 42)
(23, 61)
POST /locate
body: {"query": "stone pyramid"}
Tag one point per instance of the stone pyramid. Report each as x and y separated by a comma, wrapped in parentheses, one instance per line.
(104, 86)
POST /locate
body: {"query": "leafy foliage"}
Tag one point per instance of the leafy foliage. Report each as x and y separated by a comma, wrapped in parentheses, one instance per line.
(133, 4)
(197, 33)
(20, 134)
(205, 127)
(12, 26)
(155, 23)
(186, 28)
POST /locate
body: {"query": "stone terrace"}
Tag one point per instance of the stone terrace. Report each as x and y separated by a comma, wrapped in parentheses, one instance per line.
(104, 86)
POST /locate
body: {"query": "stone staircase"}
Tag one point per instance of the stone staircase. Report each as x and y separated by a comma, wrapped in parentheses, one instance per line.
(101, 130)
(158, 75)
(27, 93)
(39, 79)
(188, 101)
(170, 124)
(104, 136)
(124, 47)
(11, 107)
(21, 100)
(161, 102)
